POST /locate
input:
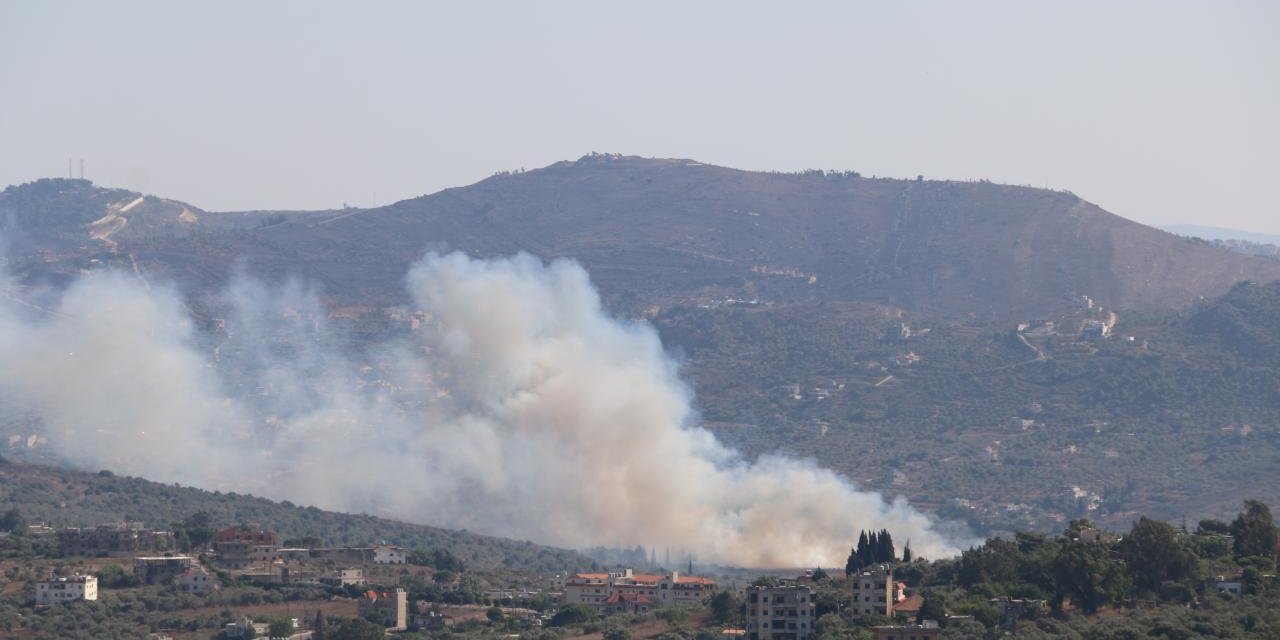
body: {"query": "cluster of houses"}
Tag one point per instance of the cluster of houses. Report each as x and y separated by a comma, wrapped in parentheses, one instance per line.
(254, 553)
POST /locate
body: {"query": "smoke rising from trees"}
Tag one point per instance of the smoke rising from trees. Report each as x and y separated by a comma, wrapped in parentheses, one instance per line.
(520, 408)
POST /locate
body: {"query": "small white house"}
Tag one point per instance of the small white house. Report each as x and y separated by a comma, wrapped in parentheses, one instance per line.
(388, 554)
(66, 589)
(194, 580)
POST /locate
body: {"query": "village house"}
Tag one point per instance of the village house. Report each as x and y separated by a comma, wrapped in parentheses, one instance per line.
(388, 554)
(391, 606)
(66, 589)
(157, 569)
(677, 590)
(586, 588)
(343, 577)
(779, 613)
(627, 602)
(194, 580)
(240, 547)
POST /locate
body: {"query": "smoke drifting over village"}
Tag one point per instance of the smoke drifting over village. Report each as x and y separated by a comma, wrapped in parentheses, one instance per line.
(520, 408)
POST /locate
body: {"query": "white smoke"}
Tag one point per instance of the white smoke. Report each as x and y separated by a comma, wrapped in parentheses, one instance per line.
(521, 408)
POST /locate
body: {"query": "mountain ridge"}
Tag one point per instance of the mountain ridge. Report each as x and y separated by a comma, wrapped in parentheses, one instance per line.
(661, 231)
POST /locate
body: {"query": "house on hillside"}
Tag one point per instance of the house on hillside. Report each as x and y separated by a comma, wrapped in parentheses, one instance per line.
(66, 589)
(627, 602)
(676, 590)
(158, 569)
(392, 607)
(240, 547)
(195, 580)
(388, 554)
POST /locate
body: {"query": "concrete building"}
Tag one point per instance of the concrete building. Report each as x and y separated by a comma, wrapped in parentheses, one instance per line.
(195, 580)
(388, 554)
(343, 577)
(627, 602)
(873, 592)
(391, 606)
(112, 539)
(591, 589)
(66, 589)
(243, 547)
(157, 569)
(673, 589)
(780, 613)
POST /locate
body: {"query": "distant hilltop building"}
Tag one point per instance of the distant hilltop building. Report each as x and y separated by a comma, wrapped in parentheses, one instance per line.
(66, 589)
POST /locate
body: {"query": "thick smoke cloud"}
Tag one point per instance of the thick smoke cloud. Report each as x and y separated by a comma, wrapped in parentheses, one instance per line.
(520, 408)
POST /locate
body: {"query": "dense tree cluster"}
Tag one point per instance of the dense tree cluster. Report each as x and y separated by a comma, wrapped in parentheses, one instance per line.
(873, 548)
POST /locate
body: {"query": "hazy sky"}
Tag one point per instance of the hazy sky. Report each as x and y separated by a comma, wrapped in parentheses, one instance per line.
(1159, 111)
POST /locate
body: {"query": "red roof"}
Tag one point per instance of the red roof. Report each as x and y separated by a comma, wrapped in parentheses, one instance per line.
(912, 603)
(694, 580)
(627, 596)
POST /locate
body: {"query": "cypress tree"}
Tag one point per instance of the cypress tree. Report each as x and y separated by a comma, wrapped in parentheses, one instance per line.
(886, 551)
(864, 554)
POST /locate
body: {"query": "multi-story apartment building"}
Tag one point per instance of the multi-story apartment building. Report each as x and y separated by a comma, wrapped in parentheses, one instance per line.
(780, 613)
(241, 547)
(66, 589)
(874, 592)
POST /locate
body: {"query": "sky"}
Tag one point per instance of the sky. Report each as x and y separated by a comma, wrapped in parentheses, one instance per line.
(1162, 112)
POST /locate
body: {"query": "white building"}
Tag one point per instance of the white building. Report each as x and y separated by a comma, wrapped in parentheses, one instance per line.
(387, 554)
(66, 589)
(194, 580)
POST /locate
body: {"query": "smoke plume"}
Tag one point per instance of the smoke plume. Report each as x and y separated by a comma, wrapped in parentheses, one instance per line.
(518, 408)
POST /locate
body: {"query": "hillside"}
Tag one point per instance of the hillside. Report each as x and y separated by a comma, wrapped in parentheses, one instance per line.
(870, 324)
(965, 418)
(63, 497)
